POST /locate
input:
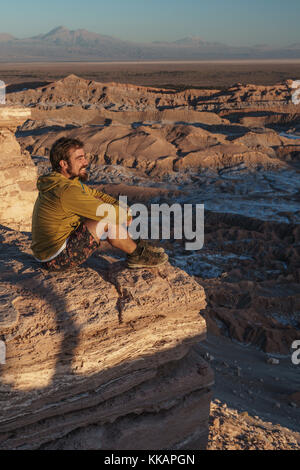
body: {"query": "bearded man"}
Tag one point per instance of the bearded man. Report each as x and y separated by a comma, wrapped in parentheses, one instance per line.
(70, 218)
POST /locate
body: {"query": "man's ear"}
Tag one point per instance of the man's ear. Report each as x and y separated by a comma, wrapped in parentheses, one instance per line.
(63, 164)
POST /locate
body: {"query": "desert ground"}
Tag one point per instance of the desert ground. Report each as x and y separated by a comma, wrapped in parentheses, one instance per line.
(177, 75)
(223, 134)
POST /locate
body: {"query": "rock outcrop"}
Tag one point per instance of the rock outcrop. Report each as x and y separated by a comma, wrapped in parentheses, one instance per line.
(100, 357)
(17, 172)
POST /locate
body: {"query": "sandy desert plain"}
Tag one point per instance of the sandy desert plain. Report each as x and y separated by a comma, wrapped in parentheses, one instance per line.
(179, 75)
(225, 135)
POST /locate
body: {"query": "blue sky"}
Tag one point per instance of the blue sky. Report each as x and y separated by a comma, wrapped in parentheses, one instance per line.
(234, 22)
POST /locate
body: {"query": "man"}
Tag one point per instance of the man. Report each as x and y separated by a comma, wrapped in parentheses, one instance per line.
(69, 218)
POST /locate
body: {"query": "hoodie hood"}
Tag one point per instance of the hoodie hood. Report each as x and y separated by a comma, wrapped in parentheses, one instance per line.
(51, 180)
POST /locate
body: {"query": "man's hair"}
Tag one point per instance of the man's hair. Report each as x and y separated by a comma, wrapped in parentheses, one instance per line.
(61, 150)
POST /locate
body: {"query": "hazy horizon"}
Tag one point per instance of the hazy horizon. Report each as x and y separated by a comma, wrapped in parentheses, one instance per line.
(234, 22)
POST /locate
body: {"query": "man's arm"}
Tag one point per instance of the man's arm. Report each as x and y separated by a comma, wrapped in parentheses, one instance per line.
(103, 196)
(109, 200)
(83, 203)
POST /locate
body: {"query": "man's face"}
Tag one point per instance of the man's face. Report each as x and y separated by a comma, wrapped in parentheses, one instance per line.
(77, 165)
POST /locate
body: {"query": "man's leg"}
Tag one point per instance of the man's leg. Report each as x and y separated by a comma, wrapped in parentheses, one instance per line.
(117, 236)
(138, 255)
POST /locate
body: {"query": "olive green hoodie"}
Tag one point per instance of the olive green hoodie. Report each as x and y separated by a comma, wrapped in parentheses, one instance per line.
(61, 206)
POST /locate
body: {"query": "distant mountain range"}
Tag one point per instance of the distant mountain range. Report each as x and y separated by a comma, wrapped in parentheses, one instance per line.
(64, 44)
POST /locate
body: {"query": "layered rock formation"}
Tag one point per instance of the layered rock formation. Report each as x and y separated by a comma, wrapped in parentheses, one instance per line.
(74, 91)
(17, 172)
(162, 132)
(100, 357)
(160, 149)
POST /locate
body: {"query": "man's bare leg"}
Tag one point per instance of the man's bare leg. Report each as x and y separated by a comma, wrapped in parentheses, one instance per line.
(118, 236)
(124, 242)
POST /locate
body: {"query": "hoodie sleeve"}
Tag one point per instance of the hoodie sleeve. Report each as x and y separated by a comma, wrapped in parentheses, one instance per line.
(100, 195)
(107, 199)
(75, 200)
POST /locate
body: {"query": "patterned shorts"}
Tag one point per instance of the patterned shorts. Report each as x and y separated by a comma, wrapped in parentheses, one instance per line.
(80, 245)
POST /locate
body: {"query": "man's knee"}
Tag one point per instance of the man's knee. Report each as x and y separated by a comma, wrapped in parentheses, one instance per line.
(105, 230)
(92, 226)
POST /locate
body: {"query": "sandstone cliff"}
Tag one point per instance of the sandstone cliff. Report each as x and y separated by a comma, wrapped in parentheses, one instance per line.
(101, 357)
(17, 172)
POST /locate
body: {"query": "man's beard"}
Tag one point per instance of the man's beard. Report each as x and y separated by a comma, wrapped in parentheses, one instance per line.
(82, 176)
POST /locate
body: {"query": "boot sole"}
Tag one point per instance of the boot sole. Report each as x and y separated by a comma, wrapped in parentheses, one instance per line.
(131, 266)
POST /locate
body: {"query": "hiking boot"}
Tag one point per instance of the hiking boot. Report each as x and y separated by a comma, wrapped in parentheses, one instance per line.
(143, 257)
(146, 244)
